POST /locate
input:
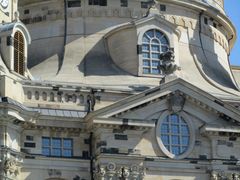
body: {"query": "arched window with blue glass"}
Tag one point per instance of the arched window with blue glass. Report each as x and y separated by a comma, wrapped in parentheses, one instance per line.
(154, 42)
(175, 134)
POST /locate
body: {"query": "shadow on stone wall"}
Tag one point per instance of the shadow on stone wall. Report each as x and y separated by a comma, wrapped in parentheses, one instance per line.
(207, 62)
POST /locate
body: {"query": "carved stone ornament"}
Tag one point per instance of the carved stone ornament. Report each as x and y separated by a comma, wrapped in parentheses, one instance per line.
(134, 172)
(176, 102)
(54, 173)
(168, 66)
(221, 175)
(11, 167)
(111, 171)
(111, 167)
(126, 173)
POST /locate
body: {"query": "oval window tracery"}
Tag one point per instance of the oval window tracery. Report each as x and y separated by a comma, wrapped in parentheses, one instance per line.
(175, 134)
(154, 42)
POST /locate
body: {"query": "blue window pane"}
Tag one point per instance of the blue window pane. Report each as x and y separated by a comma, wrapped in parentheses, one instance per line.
(175, 129)
(164, 40)
(159, 34)
(67, 153)
(165, 139)
(56, 142)
(176, 150)
(146, 55)
(155, 41)
(67, 143)
(145, 47)
(175, 140)
(155, 48)
(146, 39)
(184, 149)
(185, 140)
(56, 152)
(174, 119)
(155, 71)
(46, 151)
(182, 121)
(146, 70)
(164, 48)
(175, 134)
(184, 130)
(155, 55)
(146, 62)
(45, 142)
(164, 128)
(150, 33)
(155, 63)
(166, 120)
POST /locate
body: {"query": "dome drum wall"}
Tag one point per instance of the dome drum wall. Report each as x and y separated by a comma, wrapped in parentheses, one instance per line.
(90, 24)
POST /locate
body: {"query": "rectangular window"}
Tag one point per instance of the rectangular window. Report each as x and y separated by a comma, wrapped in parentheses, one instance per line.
(144, 5)
(162, 7)
(26, 11)
(205, 20)
(120, 137)
(74, 3)
(58, 147)
(124, 3)
(29, 145)
(29, 138)
(97, 2)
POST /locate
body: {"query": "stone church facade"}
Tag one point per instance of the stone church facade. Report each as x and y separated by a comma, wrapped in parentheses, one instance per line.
(118, 89)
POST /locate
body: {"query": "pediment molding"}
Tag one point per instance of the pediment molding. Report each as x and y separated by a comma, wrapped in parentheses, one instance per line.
(152, 19)
(162, 94)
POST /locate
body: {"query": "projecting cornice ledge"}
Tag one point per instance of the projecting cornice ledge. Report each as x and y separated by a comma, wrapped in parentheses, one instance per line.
(230, 131)
(137, 124)
(15, 112)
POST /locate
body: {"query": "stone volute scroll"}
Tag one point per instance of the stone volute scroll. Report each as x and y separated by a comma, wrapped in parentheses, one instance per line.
(176, 102)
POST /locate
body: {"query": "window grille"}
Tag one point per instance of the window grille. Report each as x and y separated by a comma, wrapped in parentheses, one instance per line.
(19, 53)
(175, 134)
(58, 147)
(154, 43)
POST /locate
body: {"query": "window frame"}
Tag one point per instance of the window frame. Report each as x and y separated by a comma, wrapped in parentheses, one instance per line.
(27, 40)
(150, 52)
(51, 147)
(97, 2)
(124, 3)
(191, 135)
(19, 53)
(74, 3)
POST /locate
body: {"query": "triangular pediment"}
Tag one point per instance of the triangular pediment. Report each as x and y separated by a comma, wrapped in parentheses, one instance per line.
(154, 99)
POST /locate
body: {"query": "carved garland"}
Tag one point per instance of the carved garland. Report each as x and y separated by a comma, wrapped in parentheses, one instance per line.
(123, 172)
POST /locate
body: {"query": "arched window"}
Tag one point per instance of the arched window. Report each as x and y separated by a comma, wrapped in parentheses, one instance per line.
(19, 53)
(154, 43)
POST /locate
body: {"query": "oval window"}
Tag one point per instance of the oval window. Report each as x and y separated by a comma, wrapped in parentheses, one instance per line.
(174, 135)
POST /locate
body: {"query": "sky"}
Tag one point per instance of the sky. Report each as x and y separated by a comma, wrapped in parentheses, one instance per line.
(232, 8)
